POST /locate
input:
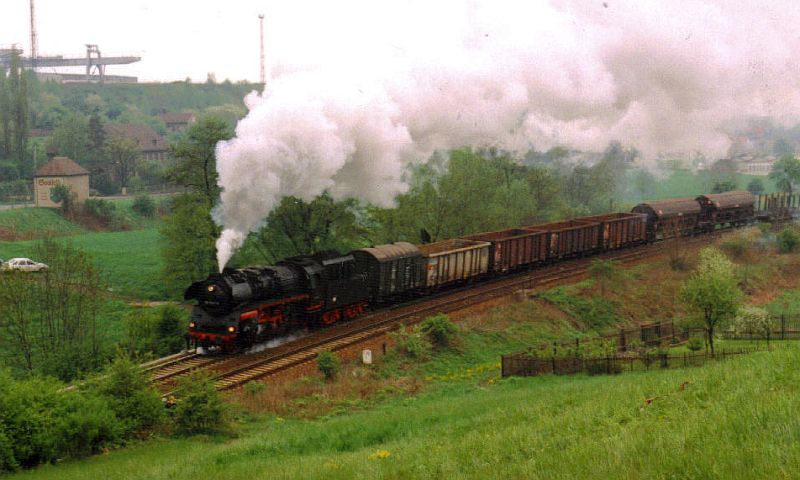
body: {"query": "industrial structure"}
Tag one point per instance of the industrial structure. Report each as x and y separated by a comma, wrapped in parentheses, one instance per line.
(94, 62)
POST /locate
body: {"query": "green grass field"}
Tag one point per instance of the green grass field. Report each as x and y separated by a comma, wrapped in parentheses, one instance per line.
(683, 183)
(735, 419)
(29, 222)
(130, 262)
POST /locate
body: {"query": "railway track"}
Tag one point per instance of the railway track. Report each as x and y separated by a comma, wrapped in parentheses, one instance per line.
(233, 371)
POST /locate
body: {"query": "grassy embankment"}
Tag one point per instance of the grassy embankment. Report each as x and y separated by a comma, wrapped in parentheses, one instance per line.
(450, 416)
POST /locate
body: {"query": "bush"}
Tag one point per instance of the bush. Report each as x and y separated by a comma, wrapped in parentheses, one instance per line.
(144, 206)
(695, 344)
(155, 332)
(100, 209)
(439, 329)
(410, 344)
(171, 330)
(130, 397)
(788, 239)
(199, 406)
(254, 388)
(328, 364)
(65, 196)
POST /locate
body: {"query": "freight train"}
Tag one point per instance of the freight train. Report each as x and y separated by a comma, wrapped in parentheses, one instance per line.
(240, 307)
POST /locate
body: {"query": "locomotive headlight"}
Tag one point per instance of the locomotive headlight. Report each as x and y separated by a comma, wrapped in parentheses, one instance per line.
(192, 324)
(231, 329)
(210, 288)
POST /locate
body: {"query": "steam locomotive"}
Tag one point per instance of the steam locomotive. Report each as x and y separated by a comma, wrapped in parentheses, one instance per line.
(240, 307)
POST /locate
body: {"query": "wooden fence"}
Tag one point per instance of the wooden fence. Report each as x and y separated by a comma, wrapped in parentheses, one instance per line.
(526, 365)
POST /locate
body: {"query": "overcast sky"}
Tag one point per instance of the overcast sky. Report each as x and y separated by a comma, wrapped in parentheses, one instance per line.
(175, 38)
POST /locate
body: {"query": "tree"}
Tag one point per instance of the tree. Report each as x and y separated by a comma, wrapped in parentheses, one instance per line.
(196, 166)
(786, 172)
(328, 363)
(712, 291)
(122, 155)
(63, 195)
(48, 320)
(189, 232)
(71, 138)
(756, 186)
(751, 319)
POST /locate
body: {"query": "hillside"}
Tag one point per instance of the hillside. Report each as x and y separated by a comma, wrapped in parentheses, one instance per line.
(730, 420)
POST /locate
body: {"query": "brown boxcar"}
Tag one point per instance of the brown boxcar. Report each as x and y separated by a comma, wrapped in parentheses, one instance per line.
(454, 260)
(670, 218)
(514, 248)
(729, 208)
(570, 238)
(620, 230)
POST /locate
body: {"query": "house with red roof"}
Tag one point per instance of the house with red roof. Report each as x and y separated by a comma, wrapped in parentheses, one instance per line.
(60, 171)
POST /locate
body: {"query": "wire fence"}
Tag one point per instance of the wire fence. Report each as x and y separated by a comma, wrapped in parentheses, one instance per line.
(526, 365)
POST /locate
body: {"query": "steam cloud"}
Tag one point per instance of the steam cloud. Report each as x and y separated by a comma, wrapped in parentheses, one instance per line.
(348, 113)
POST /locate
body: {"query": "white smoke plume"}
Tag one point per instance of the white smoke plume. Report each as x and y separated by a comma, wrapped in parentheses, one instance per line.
(364, 88)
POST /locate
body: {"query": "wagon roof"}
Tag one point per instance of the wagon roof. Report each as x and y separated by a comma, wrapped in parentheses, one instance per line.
(670, 207)
(504, 234)
(451, 245)
(730, 199)
(392, 251)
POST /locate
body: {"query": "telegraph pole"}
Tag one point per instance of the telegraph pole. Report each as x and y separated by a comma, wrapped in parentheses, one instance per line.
(263, 70)
(34, 46)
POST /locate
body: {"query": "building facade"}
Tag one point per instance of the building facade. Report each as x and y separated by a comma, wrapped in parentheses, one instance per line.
(60, 171)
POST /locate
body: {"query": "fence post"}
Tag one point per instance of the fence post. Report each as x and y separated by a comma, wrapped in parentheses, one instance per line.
(553, 361)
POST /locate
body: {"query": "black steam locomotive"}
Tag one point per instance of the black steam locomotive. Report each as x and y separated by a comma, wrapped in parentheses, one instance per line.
(240, 307)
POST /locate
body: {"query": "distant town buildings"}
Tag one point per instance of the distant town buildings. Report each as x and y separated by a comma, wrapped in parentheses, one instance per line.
(60, 171)
(177, 121)
(152, 146)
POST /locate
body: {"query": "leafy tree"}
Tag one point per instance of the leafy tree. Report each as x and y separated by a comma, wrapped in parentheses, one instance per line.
(122, 155)
(5, 117)
(751, 319)
(196, 166)
(756, 186)
(786, 172)
(144, 206)
(48, 320)
(712, 291)
(189, 232)
(788, 239)
(71, 139)
(129, 395)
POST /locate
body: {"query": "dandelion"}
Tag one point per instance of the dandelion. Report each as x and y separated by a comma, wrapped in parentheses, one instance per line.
(381, 454)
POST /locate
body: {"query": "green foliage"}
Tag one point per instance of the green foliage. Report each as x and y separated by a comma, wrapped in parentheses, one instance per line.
(723, 186)
(595, 312)
(200, 408)
(788, 239)
(155, 332)
(440, 330)
(603, 272)
(329, 364)
(786, 172)
(195, 156)
(188, 242)
(756, 186)
(410, 343)
(40, 423)
(753, 320)
(254, 388)
(125, 388)
(695, 343)
(48, 321)
(122, 156)
(144, 205)
(100, 209)
(712, 290)
(63, 195)
(71, 139)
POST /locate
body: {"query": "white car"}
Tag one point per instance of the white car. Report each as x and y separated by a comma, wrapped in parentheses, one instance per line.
(24, 264)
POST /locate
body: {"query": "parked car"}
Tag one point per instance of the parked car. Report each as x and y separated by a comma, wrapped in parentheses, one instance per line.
(24, 264)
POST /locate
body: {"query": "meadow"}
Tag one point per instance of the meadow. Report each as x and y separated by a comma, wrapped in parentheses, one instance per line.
(734, 419)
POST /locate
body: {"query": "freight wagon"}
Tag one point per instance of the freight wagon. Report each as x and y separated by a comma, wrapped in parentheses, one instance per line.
(514, 248)
(454, 260)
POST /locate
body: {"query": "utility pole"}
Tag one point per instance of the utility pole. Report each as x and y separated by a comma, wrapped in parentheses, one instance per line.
(34, 46)
(263, 70)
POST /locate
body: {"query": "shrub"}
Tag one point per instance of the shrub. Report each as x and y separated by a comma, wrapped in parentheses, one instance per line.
(603, 366)
(171, 330)
(787, 239)
(126, 389)
(100, 209)
(439, 330)
(695, 343)
(199, 406)
(410, 344)
(65, 196)
(328, 364)
(144, 206)
(254, 388)
(84, 424)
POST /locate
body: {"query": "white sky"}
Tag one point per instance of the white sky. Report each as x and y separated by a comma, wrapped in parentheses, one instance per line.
(175, 38)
